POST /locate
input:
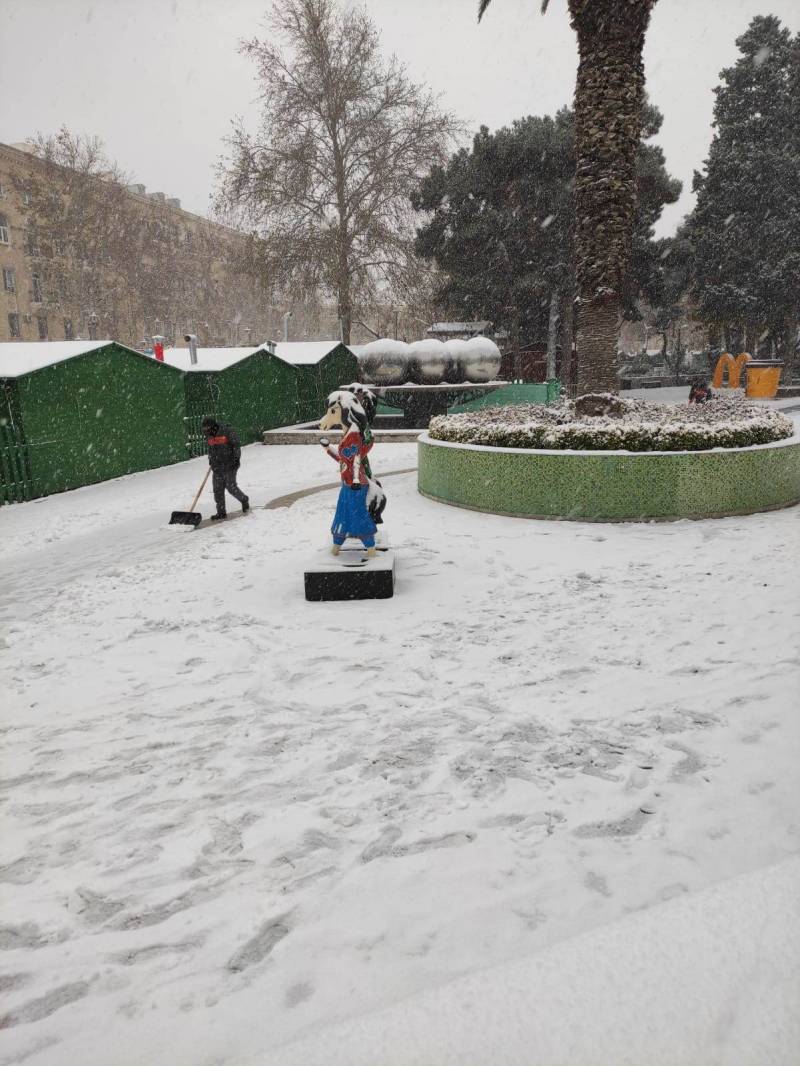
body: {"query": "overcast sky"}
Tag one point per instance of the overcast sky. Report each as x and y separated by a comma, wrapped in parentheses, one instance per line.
(160, 80)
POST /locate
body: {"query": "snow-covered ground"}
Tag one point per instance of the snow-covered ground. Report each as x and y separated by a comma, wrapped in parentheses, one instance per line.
(233, 820)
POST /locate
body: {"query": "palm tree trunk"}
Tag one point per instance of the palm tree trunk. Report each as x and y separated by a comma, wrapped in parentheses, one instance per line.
(596, 342)
(608, 103)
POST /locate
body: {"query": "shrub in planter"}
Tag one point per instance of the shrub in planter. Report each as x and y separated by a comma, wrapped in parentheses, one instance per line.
(621, 425)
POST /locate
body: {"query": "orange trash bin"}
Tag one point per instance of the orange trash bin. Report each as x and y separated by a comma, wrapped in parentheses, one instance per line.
(763, 380)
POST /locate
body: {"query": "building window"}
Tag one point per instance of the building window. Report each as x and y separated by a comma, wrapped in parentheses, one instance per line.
(13, 325)
(32, 242)
(37, 287)
(9, 279)
(69, 332)
(26, 197)
(41, 322)
(5, 232)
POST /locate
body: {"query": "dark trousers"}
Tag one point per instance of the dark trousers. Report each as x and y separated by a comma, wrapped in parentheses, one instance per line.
(226, 479)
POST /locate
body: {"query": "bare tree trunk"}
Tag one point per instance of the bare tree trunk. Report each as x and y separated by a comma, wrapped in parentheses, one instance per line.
(786, 345)
(344, 307)
(748, 340)
(514, 338)
(566, 341)
(552, 334)
(597, 334)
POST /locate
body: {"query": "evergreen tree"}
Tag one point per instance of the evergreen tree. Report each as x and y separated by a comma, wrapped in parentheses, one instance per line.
(501, 222)
(745, 228)
(665, 296)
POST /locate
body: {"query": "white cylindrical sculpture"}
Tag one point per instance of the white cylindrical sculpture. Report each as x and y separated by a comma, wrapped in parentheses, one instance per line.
(430, 361)
(385, 362)
(480, 360)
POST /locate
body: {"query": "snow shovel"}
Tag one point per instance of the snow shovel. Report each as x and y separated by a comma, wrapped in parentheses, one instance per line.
(190, 517)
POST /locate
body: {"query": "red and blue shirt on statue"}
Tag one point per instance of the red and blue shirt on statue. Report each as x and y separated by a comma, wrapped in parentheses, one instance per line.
(352, 518)
(351, 453)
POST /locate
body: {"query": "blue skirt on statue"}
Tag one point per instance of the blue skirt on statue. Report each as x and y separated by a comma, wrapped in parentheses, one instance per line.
(352, 519)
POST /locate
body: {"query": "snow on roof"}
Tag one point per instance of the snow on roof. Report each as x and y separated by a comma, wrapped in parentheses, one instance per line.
(23, 357)
(209, 358)
(304, 353)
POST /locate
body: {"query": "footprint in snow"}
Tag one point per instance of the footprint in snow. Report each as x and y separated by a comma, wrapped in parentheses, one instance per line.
(386, 845)
(259, 946)
(298, 993)
(623, 827)
(596, 883)
(36, 1009)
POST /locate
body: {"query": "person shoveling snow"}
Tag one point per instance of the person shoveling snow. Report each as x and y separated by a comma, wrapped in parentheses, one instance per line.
(224, 457)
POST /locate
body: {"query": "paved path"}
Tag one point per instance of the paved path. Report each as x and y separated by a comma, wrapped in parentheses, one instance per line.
(293, 497)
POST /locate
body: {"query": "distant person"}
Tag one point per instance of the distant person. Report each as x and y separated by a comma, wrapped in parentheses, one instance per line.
(700, 392)
(224, 457)
(158, 351)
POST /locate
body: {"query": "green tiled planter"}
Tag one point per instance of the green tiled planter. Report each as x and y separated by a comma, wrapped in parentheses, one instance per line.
(611, 486)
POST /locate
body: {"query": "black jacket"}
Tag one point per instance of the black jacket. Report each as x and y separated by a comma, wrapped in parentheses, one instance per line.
(224, 449)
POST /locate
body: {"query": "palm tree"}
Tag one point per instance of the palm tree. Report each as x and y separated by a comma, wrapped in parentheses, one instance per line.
(609, 97)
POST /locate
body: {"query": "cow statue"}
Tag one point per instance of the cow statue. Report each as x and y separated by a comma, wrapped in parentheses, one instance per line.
(361, 498)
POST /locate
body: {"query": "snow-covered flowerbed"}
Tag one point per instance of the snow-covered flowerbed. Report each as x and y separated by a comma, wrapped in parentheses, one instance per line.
(604, 422)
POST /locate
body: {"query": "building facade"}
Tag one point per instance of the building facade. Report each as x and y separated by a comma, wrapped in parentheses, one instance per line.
(83, 257)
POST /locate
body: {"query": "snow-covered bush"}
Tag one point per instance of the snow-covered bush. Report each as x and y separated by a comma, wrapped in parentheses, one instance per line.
(639, 426)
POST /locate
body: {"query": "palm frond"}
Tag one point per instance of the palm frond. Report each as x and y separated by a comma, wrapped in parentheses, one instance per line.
(483, 4)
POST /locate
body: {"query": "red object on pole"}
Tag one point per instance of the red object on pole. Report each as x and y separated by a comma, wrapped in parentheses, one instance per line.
(158, 351)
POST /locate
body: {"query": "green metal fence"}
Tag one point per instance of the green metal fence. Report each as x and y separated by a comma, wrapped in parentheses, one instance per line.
(202, 399)
(516, 392)
(16, 483)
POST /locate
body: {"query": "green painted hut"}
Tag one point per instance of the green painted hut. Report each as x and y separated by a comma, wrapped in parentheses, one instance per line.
(251, 388)
(322, 367)
(76, 412)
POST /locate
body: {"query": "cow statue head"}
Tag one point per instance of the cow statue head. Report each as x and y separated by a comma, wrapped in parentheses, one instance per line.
(344, 411)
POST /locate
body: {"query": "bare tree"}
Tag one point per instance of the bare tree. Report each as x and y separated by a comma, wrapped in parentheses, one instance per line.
(125, 266)
(79, 230)
(344, 136)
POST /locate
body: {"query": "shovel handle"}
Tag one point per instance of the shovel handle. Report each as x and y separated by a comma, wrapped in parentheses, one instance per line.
(202, 486)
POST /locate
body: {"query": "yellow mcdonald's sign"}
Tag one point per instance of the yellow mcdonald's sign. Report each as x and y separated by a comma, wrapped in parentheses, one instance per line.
(734, 367)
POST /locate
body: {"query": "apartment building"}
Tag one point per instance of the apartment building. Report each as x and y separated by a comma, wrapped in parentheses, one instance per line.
(133, 265)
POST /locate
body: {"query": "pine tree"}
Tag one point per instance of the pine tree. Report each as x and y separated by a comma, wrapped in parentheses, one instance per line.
(501, 219)
(745, 228)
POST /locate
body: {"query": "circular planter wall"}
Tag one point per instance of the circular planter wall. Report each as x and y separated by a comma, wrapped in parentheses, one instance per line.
(606, 486)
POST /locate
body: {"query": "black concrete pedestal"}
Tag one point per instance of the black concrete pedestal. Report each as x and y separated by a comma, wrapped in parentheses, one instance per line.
(351, 576)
